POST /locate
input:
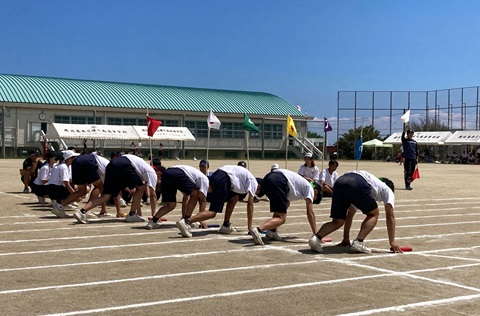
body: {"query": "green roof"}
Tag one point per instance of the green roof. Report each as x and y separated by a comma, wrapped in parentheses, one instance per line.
(45, 90)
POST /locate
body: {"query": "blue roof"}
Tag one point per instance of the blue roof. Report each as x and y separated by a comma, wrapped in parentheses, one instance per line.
(61, 91)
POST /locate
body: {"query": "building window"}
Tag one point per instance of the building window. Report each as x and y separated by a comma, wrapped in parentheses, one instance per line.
(77, 119)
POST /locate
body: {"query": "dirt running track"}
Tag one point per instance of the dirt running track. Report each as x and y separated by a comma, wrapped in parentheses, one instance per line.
(52, 266)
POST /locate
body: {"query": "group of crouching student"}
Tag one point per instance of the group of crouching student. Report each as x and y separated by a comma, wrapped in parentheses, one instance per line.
(105, 180)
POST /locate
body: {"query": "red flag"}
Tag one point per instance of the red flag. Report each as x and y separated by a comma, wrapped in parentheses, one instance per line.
(152, 125)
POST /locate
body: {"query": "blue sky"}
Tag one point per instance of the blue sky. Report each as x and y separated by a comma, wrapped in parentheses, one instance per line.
(302, 51)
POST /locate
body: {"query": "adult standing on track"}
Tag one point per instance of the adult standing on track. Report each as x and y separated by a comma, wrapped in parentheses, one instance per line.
(410, 156)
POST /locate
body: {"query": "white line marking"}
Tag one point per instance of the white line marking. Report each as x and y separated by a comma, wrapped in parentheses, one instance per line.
(401, 308)
(217, 295)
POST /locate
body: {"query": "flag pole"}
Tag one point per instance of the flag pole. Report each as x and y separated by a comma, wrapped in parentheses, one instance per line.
(208, 141)
(150, 144)
(361, 135)
(286, 145)
(324, 146)
(247, 135)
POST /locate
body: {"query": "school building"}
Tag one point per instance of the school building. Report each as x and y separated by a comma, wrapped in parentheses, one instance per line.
(30, 104)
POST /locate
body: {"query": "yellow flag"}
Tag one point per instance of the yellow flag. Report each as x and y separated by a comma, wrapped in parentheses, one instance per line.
(291, 130)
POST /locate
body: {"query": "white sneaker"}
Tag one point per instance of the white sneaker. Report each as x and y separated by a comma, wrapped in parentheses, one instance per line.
(184, 228)
(228, 229)
(315, 244)
(122, 203)
(147, 202)
(41, 199)
(257, 236)
(273, 235)
(153, 225)
(26, 190)
(134, 218)
(91, 215)
(74, 204)
(360, 247)
(195, 225)
(59, 210)
(70, 207)
(80, 217)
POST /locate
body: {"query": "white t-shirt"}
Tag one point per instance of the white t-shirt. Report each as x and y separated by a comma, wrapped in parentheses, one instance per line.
(310, 172)
(102, 166)
(299, 187)
(60, 173)
(242, 180)
(43, 174)
(196, 176)
(143, 170)
(329, 178)
(380, 191)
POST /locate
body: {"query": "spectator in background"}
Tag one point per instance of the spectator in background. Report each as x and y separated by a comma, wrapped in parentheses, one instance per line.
(160, 151)
(309, 170)
(29, 173)
(328, 178)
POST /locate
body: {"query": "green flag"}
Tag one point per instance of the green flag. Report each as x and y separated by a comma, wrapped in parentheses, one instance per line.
(248, 124)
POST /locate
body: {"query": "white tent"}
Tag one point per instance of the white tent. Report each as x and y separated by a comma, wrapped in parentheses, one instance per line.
(422, 138)
(376, 143)
(464, 138)
(91, 131)
(165, 133)
(115, 132)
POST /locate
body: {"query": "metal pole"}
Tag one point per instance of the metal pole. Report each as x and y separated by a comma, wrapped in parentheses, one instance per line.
(391, 111)
(373, 108)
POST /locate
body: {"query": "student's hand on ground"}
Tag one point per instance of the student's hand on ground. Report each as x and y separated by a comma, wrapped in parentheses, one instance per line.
(203, 225)
(395, 247)
(345, 243)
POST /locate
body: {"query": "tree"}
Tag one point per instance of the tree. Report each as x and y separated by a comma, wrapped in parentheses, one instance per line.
(428, 125)
(313, 135)
(346, 142)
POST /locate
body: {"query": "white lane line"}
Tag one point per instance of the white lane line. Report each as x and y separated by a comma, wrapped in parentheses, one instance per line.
(181, 240)
(402, 308)
(182, 256)
(216, 295)
(155, 277)
(451, 257)
(24, 196)
(147, 232)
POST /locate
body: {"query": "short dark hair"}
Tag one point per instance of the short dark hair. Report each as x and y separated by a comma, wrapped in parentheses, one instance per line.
(156, 162)
(318, 187)
(333, 162)
(242, 163)
(388, 182)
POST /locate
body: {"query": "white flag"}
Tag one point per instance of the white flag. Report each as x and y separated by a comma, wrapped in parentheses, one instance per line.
(406, 117)
(213, 121)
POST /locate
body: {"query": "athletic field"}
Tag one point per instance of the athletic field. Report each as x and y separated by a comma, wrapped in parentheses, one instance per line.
(53, 266)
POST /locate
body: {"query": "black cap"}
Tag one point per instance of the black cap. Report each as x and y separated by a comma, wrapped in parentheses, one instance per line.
(410, 130)
(242, 164)
(35, 152)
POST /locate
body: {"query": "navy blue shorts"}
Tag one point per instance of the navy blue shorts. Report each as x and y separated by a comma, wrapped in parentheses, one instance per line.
(350, 189)
(40, 190)
(57, 192)
(275, 185)
(220, 184)
(120, 174)
(174, 179)
(84, 170)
